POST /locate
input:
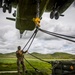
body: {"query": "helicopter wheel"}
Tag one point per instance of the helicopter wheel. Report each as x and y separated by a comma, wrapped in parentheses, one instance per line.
(57, 15)
(4, 8)
(52, 14)
(9, 8)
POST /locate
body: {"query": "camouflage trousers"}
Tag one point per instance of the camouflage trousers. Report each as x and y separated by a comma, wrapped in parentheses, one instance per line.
(21, 62)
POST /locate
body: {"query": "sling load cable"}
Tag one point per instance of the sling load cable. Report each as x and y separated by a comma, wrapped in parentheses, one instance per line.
(28, 61)
(63, 35)
(30, 39)
(33, 55)
(50, 62)
(32, 65)
(28, 49)
(39, 58)
(50, 33)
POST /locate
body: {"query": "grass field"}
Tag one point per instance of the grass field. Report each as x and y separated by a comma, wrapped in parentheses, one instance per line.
(8, 63)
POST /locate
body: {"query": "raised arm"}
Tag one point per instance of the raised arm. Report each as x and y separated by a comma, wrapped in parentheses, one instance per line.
(25, 51)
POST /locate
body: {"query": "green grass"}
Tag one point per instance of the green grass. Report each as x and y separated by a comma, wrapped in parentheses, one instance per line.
(8, 62)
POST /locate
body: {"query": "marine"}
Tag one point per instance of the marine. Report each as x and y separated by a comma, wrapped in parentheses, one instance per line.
(20, 59)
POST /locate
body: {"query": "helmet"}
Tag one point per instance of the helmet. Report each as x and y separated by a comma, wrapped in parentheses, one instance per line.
(19, 47)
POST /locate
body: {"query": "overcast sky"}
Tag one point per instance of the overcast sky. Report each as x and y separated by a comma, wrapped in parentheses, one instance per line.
(43, 43)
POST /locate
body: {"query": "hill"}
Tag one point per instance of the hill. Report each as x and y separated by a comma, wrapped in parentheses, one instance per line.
(57, 55)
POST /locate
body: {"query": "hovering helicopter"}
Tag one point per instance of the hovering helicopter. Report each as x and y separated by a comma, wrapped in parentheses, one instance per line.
(29, 12)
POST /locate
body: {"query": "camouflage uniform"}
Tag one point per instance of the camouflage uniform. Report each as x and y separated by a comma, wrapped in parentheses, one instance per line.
(20, 57)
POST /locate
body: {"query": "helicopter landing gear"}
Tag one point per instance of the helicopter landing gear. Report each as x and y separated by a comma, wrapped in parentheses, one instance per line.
(55, 11)
(54, 14)
(4, 8)
(7, 6)
(57, 15)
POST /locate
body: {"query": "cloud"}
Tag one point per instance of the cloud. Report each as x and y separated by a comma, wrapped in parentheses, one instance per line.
(43, 43)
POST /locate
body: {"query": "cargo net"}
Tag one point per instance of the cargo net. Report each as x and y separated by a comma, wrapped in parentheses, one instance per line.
(63, 68)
